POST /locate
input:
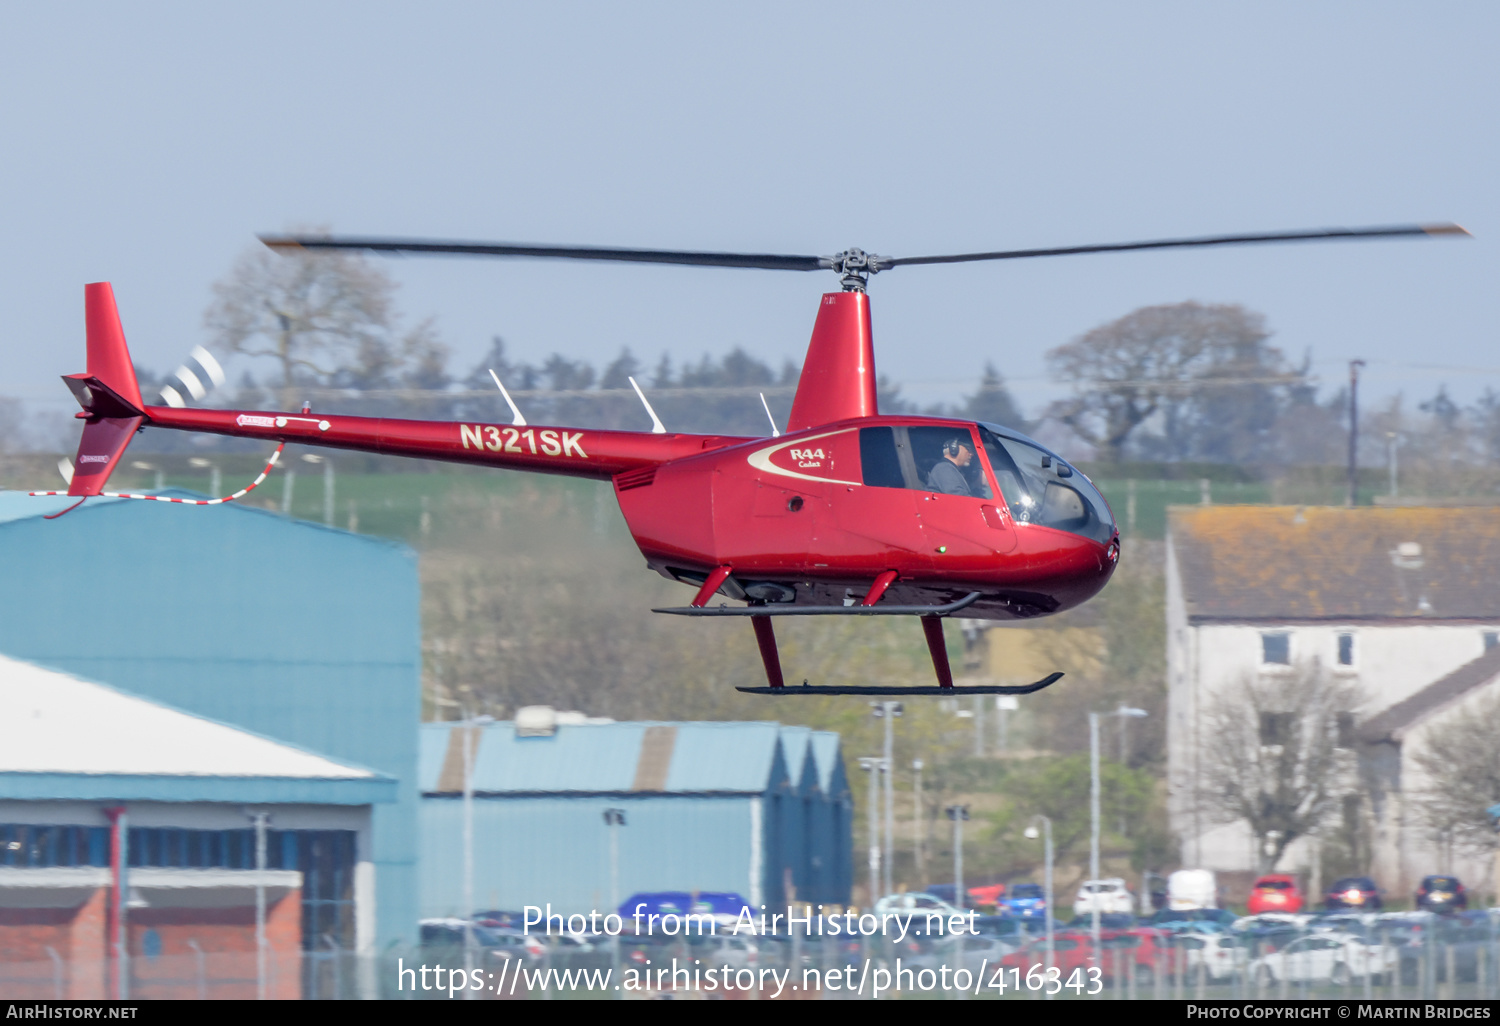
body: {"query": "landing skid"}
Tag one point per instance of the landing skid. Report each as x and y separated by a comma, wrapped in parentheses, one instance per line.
(928, 689)
(779, 609)
(931, 618)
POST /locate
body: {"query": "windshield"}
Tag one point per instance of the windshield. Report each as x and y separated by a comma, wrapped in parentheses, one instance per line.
(1026, 891)
(1041, 488)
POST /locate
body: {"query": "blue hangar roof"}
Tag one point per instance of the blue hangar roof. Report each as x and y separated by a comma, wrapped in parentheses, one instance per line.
(618, 758)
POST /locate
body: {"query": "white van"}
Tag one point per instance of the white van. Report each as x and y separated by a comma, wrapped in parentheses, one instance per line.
(1192, 888)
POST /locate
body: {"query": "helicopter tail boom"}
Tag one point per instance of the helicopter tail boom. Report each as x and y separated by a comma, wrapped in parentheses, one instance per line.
(573, 452)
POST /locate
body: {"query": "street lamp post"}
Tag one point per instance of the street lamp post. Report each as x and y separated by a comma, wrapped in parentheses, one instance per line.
(920, 860)
(318, 458)
(260, 818)
(871, 765)
(1031, 832)
(888, 711)
(468, 726)
(959, 813)
(614, 819)
(1391, 441)
(1124, 712)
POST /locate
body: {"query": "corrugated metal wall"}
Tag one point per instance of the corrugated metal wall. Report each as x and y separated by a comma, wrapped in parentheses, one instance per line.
(534, 850)
(709, 807)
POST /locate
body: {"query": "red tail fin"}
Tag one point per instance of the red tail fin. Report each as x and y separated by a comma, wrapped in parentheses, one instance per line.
(107, 391)
(838, 376)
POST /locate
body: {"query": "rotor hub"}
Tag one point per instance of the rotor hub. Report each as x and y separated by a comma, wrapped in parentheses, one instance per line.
(854, 267)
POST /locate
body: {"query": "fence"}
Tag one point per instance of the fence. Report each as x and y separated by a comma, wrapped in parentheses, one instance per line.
(1387, 958)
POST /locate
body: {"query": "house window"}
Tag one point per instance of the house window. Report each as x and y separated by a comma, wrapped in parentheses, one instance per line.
(1276, 648)
(1346, 649)
(1491, 638)
(1275, 728)
(1345, 730)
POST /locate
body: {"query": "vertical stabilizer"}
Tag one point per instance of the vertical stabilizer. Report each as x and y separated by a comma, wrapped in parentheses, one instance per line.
(109, 360)
(107, 391)
(838, 376)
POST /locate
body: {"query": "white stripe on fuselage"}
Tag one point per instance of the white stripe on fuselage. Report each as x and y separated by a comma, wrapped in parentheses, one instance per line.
(760, 459)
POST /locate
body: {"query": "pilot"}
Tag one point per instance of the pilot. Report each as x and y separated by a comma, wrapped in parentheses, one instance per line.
(947, 474)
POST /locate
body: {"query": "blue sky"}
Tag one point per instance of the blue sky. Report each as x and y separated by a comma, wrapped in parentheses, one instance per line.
(147, 144)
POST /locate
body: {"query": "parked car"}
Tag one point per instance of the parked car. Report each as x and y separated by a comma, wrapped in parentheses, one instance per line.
(735, 952)
(1356, 892)
(1005, 927)
(1219, 953)
(1177, 920)
(1275, 893)
(1069, 951)
(961, 952)
(1192, 888)
(1138, 950)
(945, 893)
(1337, 958)
(1105, 895)
(1441, 894)
(986, 897)
(1141, 951)
(920, 902)
(1026, 900)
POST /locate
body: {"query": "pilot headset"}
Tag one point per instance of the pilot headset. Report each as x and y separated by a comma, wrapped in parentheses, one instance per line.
(952, 445)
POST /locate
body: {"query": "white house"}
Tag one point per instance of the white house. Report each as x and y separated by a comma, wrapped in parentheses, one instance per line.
(1395, 599)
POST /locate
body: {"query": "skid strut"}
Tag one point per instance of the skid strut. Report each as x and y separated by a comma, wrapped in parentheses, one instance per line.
(765, 637)
(932, 629)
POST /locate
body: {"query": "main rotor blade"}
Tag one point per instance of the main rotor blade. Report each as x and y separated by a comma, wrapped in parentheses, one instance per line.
(1308, 235)
(767, 261)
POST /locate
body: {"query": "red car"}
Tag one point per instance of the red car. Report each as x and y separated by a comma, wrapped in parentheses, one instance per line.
(1275, 893)
(1141, 950)
(986, 897)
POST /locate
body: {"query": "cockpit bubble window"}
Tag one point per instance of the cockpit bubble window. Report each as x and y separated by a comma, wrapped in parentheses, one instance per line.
(1041, 488)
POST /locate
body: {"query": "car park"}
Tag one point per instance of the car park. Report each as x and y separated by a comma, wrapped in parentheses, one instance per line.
(1441, 894)
(1275, 893)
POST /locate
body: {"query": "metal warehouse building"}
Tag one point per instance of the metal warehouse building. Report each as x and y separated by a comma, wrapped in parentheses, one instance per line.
(301, 634)
(756, 809)
(123, 819)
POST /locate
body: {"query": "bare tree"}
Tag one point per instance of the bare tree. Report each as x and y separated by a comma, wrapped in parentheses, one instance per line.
(1276, 755)
(1205, 372)
(325, 319)
(1461, 762)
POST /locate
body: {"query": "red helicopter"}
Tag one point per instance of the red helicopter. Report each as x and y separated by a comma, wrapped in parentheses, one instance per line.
(847, 513)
